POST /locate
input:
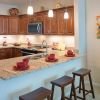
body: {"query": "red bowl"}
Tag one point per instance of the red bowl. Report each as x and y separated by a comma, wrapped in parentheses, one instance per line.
(22, 66)
(26, 61)
(51, 56)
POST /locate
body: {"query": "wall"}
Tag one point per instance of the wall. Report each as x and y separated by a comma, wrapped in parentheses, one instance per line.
(93, 45)
(34, 39)
(4, 8)
(48, 4)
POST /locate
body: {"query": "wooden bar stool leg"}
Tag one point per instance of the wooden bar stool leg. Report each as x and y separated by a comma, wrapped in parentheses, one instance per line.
(83, 86)
(48, 97)
(91, 85)
(74, 92)
(62, 93)
(80, 86)
(52, 92)
(71, 93)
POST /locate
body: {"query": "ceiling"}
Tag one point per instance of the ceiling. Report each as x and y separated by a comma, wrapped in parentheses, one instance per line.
(25, 2)
(14, 2)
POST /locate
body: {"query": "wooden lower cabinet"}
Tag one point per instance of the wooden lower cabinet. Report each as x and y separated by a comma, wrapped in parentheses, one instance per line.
(16, 52)
(6, 53)
(2, 53)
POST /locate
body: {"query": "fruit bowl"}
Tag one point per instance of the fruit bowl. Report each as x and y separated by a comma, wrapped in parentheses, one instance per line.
(70, 53)
(51, 58)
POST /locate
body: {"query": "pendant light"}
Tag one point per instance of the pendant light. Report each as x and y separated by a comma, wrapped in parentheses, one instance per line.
(66, 15)
(50, 13)
(30, 9)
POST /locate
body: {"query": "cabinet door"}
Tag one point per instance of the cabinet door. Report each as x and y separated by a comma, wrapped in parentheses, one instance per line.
(13, 25)
(65, 26)
(70, 22)
(16, 52)
(37, 17)
(2, 54)
(50, 24)
(62, 28)
(8, 52)
(3, 25)
(23, 24)
(5, 53)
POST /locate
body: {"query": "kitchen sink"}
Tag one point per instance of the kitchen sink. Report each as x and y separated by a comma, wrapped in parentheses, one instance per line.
(26, 51)
(40, 46)
(35, 57)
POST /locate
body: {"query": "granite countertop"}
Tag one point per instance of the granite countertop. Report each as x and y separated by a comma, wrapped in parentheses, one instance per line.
(6, 65)
(24, 46)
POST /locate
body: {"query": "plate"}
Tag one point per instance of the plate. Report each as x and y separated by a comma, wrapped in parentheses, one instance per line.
(70, 55)
(20, 69)
(54, 60)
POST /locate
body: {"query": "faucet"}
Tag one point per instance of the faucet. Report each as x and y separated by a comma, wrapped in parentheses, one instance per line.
(44, 43)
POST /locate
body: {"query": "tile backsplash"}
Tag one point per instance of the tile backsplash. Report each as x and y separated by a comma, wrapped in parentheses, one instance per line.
(69, 41)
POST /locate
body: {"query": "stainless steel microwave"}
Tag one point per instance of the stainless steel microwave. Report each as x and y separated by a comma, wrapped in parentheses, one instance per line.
(35, 28)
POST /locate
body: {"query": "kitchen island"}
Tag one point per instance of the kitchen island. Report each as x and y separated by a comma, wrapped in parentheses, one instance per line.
(14, 83)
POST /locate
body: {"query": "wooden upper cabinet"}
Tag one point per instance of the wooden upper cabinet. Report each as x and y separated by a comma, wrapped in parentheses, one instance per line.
(56, 25)
(62, 27)
(70, 21)
(38, 17)
(23, 24)
(65, 26)
(3, 25)
(50, 24)
(13, 25)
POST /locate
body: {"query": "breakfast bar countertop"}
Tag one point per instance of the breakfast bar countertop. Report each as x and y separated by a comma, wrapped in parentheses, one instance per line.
(7, 71)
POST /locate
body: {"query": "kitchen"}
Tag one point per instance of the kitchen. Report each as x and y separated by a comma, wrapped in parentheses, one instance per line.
(22, 37)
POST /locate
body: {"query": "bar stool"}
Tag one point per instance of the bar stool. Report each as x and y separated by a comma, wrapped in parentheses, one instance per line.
(38, 94)
(82, 73)
(62, 82)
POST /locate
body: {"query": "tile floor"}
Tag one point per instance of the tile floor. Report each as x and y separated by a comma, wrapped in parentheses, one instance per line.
(97, 93)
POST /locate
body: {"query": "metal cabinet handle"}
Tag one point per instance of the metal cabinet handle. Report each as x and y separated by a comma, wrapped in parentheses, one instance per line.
(38, 27)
